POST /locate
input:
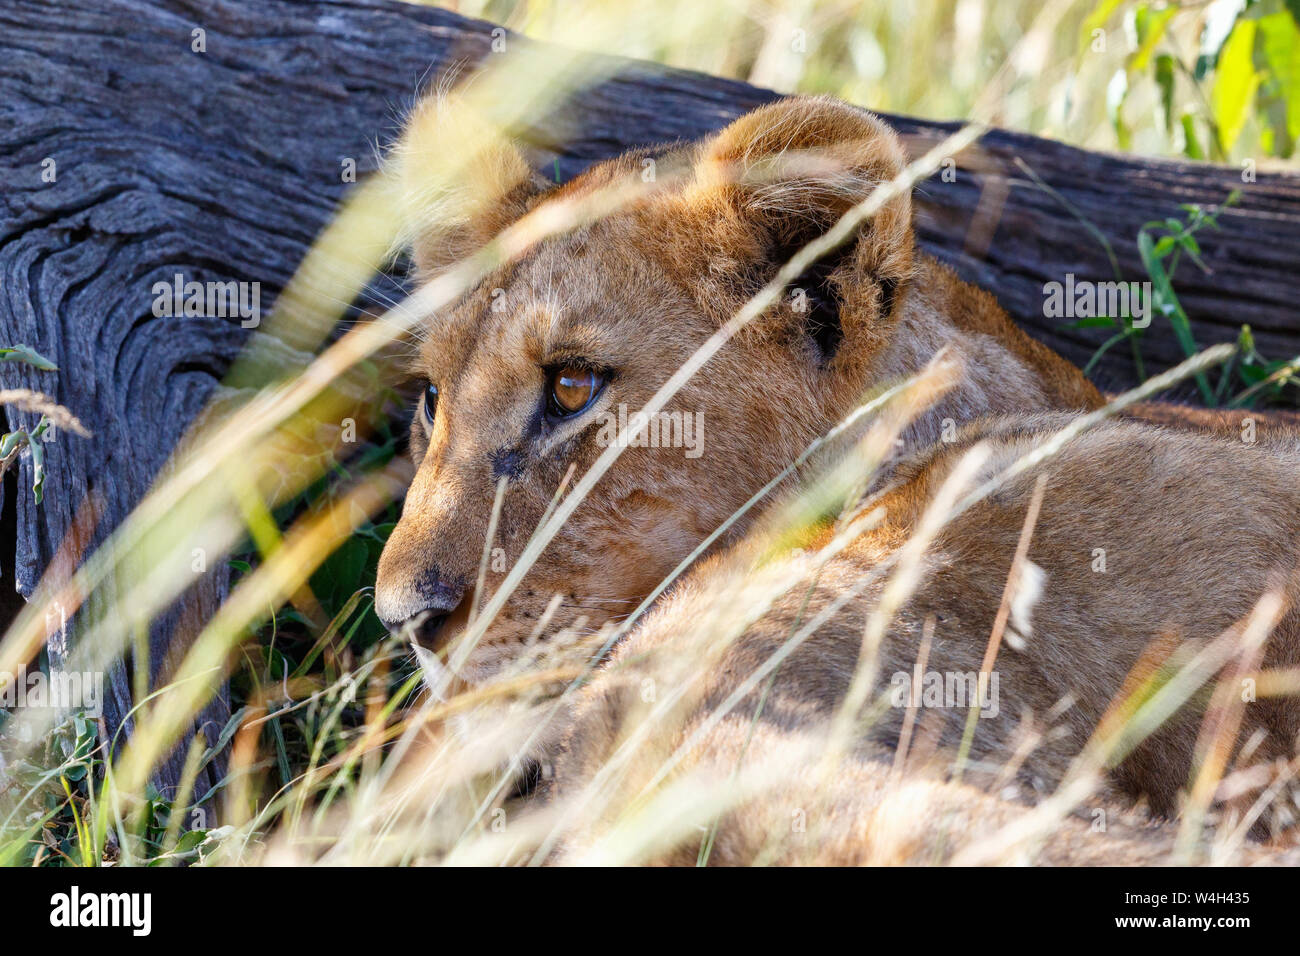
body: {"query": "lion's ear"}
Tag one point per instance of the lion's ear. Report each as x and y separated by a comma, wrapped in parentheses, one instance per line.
(783, 175)
(459, 182)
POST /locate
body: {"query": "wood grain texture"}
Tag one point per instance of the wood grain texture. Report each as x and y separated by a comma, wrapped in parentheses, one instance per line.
(224, 165)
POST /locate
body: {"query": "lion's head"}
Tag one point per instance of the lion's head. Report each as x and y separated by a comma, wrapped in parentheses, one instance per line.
(529, 376)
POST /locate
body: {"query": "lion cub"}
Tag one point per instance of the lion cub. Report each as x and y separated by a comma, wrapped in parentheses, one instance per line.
(1151, 546)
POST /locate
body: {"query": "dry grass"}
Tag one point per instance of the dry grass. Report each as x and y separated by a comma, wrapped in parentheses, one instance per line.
(397, 766)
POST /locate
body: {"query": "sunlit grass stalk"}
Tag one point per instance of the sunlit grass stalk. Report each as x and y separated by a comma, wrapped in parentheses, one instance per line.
(1004, 612)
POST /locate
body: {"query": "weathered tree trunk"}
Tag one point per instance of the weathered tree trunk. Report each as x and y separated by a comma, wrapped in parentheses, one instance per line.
(224, 165)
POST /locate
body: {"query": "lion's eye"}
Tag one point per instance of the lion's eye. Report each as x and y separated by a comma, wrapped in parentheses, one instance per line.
(430, 402)
(572, 389)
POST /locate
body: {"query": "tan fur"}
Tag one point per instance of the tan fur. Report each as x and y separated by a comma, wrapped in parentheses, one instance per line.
(1195, 527)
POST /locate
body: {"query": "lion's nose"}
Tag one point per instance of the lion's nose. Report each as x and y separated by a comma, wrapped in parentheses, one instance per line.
(426, 603)
(428, 628)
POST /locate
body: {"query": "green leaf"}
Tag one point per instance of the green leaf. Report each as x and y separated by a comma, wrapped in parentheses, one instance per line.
(1116, 94)
(1219, 21)
(38, 470)
(1149, 25)
(1235, 82)
(1165, 80)
(341, 574)
(27, 354)
(190, 840)
(281, 752)
(1168, 304)
(1246, 342)
(327, 636)
(1278, 48)
(223, 738)
(12, 440)
(1191, 144)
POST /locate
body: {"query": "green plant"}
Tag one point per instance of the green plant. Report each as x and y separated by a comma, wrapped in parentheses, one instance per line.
(13, 442)
(52, 415)
(1244, 76)
(1162, 245)
(296, 660)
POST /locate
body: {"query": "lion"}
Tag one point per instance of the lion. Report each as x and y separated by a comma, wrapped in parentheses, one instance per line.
(524, 374)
